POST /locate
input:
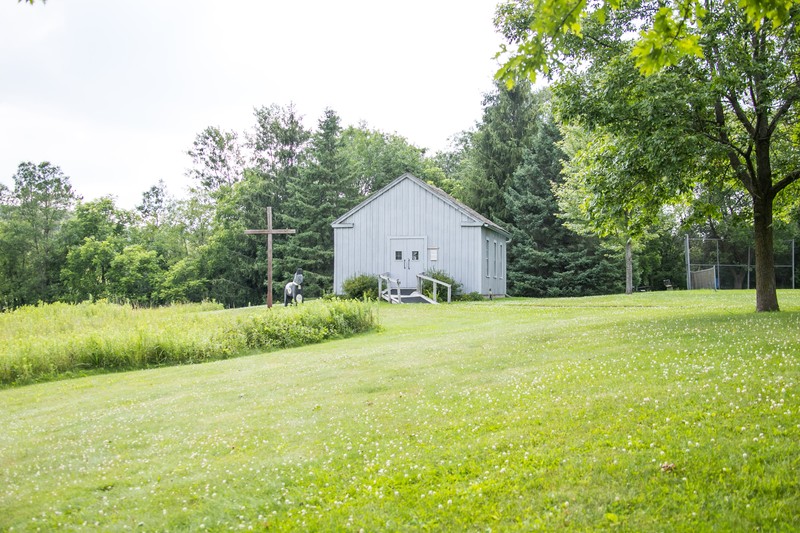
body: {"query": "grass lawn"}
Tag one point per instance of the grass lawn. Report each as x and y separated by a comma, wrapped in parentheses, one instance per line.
(673, 411)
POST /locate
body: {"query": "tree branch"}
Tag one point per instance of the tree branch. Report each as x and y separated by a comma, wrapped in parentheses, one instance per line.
(783, 109)
(717, 69)
(790, 178)
(745, 175)
(740, 114)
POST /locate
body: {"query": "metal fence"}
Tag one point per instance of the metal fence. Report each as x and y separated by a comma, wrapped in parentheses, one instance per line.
(733, 264)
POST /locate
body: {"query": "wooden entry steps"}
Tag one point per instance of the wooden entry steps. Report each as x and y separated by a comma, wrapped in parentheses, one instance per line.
(395, 294)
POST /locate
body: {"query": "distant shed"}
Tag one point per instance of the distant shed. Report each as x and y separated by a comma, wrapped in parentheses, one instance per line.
(410, 227)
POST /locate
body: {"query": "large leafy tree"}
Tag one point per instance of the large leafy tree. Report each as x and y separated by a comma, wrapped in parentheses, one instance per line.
(732, 98)
(506, 167)
(94, 235)
(540, 32)
(233, 265)
(160, 226)
(100, 219)
(85, 273)
(604, 192)
(30, 219)
(217, 159)
(375, 158)
(136, 275)
(278, 143)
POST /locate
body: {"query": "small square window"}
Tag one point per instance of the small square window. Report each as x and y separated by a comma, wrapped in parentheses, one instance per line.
(398, 255)
(415, 255)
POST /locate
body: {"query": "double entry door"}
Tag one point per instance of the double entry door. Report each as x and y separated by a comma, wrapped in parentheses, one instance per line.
(407, 259)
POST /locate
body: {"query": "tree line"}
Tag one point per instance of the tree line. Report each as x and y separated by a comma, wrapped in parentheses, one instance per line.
(672, 115)
(521, 165)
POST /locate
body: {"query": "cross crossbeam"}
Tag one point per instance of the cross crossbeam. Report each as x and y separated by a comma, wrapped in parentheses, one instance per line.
(269, 232)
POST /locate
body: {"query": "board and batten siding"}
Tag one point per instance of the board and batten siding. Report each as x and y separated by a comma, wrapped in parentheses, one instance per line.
(493, 262)
(408, 208)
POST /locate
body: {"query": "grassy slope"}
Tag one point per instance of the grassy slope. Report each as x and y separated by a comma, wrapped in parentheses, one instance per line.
(510, 414)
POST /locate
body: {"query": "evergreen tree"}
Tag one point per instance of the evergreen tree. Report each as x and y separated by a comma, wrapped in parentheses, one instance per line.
(498, 147)
(546, 258)
(322, 192)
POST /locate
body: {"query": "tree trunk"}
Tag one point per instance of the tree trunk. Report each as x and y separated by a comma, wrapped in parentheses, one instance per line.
(628, 267)
(766, 293)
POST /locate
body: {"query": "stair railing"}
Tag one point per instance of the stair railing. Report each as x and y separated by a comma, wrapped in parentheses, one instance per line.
(421, 277)
(387, 294)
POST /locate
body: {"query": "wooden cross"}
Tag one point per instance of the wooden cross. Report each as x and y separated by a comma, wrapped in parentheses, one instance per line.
(269, 232)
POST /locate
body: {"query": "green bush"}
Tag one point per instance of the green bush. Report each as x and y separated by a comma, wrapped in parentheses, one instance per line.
(441, 290)
(301, 325)
(361, 286)
(471, 297)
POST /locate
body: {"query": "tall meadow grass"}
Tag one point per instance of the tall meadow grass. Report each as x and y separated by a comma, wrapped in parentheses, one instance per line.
(46, 342)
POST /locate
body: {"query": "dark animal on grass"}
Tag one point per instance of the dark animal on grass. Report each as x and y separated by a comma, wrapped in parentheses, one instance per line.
(293, 292)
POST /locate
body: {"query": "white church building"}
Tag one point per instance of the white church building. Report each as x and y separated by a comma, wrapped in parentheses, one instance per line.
(410, 227)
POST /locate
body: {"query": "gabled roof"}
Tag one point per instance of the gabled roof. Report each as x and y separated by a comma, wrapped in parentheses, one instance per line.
(467, 211)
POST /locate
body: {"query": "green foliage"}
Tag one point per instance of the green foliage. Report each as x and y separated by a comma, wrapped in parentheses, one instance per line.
(322, 191)
(376, 158)
(497, 148)
(217, 159)
(471, 297)
(99, 219)
(155, 204)
(545, 257)
(542, 32)
(52, 341)
(581, 269)
(361, 286)
(185, 282)
(661, 257)
(306, 324)
(605, 190)
(508, 167)
(669, 128)
(612, 190)
(31, 217)
(136, 275)
(667, 41)
(85, 273)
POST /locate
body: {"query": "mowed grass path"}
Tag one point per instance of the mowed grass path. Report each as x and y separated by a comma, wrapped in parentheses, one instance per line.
(652, 412)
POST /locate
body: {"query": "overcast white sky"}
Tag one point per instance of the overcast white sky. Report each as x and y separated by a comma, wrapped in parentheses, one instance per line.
(114, 92)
